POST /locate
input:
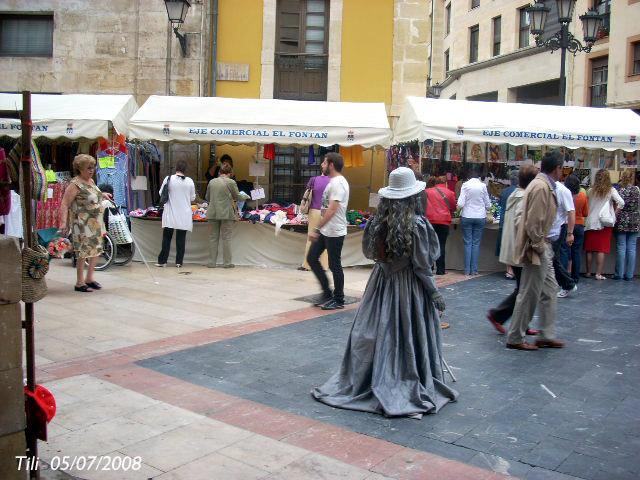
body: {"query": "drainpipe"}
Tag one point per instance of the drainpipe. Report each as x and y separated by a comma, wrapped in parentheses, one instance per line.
(429, 76)
(214, 63)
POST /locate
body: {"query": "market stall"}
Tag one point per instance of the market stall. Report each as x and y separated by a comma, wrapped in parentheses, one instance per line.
(69, 124)
(451, 136)
(239, 121)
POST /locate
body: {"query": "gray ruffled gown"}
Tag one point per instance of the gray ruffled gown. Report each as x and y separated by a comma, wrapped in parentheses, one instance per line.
(392, 364)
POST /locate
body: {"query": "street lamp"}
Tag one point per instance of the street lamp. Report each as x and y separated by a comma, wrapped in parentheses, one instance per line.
(564, 39)
(177, 11)
(434, 91)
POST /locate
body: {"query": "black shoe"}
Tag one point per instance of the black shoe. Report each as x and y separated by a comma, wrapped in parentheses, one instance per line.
(333, 305)
(322, 299)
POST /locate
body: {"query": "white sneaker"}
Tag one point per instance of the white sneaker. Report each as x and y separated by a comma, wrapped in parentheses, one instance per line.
(565, 293)
(161, 265)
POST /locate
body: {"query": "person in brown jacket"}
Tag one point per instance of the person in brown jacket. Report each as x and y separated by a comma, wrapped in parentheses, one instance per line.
(537, 284)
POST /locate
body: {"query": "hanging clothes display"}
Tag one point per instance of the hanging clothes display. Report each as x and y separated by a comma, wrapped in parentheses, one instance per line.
(48, 211)
(38, 176)
(112, 168)
(352, 156)
(144, 160)
(5, 195)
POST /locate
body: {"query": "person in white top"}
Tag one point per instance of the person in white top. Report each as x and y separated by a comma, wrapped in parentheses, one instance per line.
(474, 202)
(330, 232)
(561, 236)
(597, 236)
(177, 214)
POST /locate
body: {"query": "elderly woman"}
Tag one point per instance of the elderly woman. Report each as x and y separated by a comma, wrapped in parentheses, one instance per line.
(392, 364)
(82, 210)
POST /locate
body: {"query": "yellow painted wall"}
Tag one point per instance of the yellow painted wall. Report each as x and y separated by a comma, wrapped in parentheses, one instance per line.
(239, 41)
(366, 76)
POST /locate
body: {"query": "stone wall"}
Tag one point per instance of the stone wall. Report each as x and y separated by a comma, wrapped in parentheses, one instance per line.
(12, 416)
(411, 37)
(115, 47)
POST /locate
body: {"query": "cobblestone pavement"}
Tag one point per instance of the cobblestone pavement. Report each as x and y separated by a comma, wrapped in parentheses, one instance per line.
(208, 376)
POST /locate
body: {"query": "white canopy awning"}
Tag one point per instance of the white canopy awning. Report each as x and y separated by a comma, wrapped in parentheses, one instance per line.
(518, 124)
(70, 116)
(261, 121)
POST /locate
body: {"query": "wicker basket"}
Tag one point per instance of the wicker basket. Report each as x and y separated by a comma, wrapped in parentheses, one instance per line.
(35, 265)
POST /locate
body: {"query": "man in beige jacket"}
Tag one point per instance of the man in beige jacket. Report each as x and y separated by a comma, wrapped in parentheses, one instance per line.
(538, 284)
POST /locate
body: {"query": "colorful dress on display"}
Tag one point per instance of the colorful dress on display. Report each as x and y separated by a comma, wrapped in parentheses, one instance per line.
(87, 227)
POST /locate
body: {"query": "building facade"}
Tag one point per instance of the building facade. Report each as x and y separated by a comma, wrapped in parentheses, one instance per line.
(335, 50)
(483, 51)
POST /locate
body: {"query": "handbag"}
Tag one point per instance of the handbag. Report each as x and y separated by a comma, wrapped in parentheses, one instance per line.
(119, 229)
(606, 215)
(164, 192)
(234, 203)
(305, 203)
(35, 265)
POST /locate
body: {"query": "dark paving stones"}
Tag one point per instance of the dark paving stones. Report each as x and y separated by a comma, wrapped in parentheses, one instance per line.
(587, 427)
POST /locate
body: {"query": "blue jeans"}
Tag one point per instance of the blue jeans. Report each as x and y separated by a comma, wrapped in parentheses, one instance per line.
(625, 254)
(576, 252)
(472, 229)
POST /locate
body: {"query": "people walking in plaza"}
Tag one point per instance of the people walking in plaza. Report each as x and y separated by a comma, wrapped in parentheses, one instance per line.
(330, 232)
(502, 204)
(627, 227)
(538, 287)
(474, 202)
(222, 214)
(317, 186)
(177, 214)
(392, 364)
(441, 204)
(599, 223)
(561, 236)
(81, 211)
(499, 315)
(574, 260)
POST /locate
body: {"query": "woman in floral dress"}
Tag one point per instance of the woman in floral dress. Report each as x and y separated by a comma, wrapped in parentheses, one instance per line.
(82, 210)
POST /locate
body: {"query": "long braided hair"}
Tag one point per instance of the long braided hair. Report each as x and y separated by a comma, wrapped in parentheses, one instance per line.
(392, 226)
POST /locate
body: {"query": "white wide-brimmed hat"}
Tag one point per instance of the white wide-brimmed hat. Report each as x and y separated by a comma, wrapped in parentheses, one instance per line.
(402, 184)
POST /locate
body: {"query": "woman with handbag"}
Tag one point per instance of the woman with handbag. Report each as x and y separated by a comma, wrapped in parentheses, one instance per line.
(392, 364)
(627, 227)
(222, 213)
(81, 211)
(599, 224)
(312, 203)
(177, 213)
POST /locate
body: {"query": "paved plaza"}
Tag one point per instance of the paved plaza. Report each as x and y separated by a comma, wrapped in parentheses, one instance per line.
(207, 375)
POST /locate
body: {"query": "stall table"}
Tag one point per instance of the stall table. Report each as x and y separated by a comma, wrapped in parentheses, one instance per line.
(251, 244)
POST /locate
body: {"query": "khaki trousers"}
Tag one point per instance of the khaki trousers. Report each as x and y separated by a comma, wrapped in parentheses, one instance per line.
(314, 220)
(538, 287)
(219, 228)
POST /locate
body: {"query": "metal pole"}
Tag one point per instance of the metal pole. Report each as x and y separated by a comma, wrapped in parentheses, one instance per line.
(564, 30)
(25, 165)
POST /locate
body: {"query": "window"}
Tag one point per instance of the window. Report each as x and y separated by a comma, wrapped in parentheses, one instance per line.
(301, 57)
(26, 35)
(446, 62)
(447, 16)
(523, 37)
(474, 33)
(291, 172)
(599, 75)
(475, 3)
(635, 58)
(497, 35)
(603, 7)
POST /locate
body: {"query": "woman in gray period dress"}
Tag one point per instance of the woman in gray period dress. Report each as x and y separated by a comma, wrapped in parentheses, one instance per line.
(392, 364)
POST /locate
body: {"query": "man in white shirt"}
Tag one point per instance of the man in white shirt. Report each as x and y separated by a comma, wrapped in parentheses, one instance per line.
(330, 233)
(562, 232)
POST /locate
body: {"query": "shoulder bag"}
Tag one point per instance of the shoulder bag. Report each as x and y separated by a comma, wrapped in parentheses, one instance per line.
(164, 193)
(234, 203)
(305, 203)
(606, 215)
